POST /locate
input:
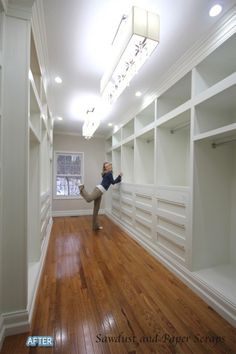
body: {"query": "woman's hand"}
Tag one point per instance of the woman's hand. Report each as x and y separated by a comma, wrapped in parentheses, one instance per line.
(121, 174)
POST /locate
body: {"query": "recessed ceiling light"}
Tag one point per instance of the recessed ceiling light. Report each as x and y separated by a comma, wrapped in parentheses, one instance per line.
(59, 118)
(138, 94)
(110, 124)
(58, 80)
(215, 10)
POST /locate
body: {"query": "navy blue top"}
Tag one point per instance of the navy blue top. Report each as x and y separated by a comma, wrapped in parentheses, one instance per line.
(107, 180)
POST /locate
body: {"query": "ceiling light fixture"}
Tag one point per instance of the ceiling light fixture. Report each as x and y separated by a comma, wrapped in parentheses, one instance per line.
(136, 38)
(110, 124)
(215, 10)
(91, 123)
(58, 80)
(138, 94)
(59, 118)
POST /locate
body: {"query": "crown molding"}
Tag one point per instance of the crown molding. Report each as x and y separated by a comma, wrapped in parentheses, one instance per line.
(21, 9)
(218, 34)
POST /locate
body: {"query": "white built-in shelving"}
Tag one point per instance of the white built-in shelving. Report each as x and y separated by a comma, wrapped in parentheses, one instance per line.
(178, 156)
(40, 165)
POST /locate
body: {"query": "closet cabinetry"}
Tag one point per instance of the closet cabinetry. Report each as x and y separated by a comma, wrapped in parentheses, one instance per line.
(178, 195)
(40, 165)
(25, 167)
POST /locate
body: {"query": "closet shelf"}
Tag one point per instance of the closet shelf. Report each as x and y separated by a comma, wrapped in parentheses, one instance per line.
(215, 89)
(171, 116)
(224, 132)
(146, 129)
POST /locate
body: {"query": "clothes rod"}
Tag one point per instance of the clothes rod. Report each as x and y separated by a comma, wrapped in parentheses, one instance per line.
(214, 145)
(123, 18)
(172, 131)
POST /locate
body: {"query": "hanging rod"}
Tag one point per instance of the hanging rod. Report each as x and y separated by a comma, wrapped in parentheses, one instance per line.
(123, 18)
(214, 145)
(172, 131)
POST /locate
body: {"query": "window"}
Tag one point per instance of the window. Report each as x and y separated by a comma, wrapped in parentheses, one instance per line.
(68, 169)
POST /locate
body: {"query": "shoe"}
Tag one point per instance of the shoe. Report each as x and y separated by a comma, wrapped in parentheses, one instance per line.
(81, 187)
(98, 228)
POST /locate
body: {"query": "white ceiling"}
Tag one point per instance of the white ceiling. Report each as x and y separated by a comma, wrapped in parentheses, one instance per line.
(79, 34)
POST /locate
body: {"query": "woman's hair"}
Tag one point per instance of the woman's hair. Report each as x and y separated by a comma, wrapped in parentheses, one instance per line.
(104, 167)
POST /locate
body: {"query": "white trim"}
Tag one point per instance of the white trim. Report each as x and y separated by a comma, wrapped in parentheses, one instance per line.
(12, 323)
(62, 213)
(213, 298)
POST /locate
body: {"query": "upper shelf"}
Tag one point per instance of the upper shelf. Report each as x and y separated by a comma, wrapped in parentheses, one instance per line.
(217, 66)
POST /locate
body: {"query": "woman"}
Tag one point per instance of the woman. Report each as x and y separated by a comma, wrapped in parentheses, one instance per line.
(96, 195)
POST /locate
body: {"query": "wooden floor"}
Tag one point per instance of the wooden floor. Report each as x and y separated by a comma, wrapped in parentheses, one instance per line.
(101, 292)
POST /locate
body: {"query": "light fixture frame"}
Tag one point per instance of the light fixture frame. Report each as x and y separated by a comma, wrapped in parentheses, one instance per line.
(143, 26)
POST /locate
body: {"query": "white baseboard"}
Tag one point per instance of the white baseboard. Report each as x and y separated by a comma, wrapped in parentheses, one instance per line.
(13, 323)
(61, 213)
(210, 295)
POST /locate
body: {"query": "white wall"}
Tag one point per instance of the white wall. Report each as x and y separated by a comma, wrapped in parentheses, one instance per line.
(94, 156)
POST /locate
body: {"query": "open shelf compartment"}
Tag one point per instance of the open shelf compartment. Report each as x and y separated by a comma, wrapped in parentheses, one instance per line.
(127, 160)
(144, 158)
(175, 96)
(217, 66)
(214, 210)
(145, 117)
(216, 112)
(173, 151)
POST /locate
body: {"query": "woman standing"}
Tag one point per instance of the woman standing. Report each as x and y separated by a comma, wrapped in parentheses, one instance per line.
(96, 195)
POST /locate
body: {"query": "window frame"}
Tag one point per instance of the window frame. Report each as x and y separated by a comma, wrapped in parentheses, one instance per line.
(59, 152)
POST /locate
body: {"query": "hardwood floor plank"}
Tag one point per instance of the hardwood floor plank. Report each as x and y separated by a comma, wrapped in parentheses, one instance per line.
(102, 293)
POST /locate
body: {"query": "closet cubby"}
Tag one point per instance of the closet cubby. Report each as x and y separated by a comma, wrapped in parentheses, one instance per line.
(35, 113)
(144, 158)
(108, 144)
(145, 117)
(116, 161)
(175, 96)
(216, 112)
(173, 151)
(34, 244)
(214, 210)
(127, 161)
(128, 129)
(217, 66)
(116, 138)
(34, 67)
